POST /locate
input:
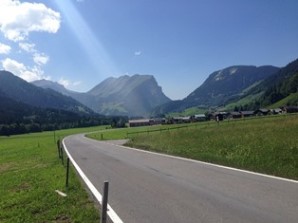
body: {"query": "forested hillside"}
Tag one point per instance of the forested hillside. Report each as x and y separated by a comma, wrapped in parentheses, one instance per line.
(275, 88)
(22, 91)
(26, 108)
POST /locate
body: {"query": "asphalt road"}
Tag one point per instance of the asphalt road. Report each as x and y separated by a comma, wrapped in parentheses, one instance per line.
(146, 187)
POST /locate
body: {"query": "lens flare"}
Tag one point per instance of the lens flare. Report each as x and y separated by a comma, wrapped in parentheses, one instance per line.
(91, 44)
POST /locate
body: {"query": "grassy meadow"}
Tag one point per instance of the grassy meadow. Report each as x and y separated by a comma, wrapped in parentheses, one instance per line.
(30, 172)
(267, 145)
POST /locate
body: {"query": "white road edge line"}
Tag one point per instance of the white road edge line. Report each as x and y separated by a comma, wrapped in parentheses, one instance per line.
(112, 214)
(205, 163)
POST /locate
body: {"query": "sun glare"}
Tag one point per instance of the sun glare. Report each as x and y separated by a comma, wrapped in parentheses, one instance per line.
(92, 45)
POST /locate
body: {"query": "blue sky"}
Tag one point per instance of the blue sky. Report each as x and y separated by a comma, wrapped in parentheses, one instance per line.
(79, 43)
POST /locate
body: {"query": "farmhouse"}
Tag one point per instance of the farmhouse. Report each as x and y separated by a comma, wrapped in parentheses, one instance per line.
(247, 113)
(158, 121)
(235, 114)
(220, 116)
(140, 122)
(179, 120)
(290, 109)
(241, 114)
(276, 111)
(200, 117)
(146, 122)
(262, 111)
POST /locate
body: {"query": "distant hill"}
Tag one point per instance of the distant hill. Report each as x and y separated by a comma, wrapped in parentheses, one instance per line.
(18, 118)
(21, 91)
(291, 100)
(26, 108)
(221, 87)
(228, 83)
(12, 111)
(248, 87)
(52, 85)
(278, 89)
(133, 95)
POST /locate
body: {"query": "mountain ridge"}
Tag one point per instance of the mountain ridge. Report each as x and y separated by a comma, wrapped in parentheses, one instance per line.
(227, 83)
(275, 88)
(225, 86)
(134, 95)
(220, 87)
(21, 91)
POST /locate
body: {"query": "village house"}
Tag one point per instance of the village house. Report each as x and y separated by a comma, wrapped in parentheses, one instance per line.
(262, 111)
(180, 120)
(140, 122)
(200, 117)
(241, 114)
(290, 109)
(220, 116)
(235, 115)
(246, 114)
(146, 122)
(276, 111)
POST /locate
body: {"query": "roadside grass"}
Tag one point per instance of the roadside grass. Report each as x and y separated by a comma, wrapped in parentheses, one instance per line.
(267, 145)
(30, 172)
(125, 133)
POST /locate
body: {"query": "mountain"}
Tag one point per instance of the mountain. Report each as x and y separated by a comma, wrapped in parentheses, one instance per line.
(12, 111)
(18, 118)
(281, 86)
(21, 91)
(52, 85)
(25, 108)
(224, 85)
(221, 87)
(133, 95)
(136, 95)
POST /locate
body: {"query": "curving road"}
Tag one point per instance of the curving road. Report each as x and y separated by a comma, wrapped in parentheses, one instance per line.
(147, 187)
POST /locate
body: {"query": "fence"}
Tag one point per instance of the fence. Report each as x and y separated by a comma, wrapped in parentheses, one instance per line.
(106, 210)
(208, 123)
(156, 130)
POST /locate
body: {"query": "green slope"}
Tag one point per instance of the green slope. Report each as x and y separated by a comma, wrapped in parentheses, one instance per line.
(292, 99)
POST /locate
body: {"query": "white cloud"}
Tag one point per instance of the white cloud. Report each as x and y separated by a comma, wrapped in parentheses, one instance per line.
(40, 59)
(69, 84)
(4, 49)
(28, 47)
(19, 69)
(137, 53)
(13, 66)
(18, 19)
(64, 82)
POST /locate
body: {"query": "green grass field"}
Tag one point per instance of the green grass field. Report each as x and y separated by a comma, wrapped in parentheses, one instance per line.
(267, 145)
(30, 172)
